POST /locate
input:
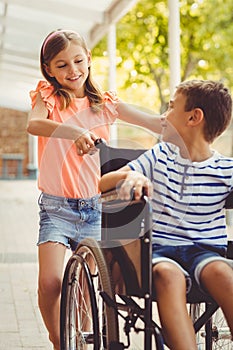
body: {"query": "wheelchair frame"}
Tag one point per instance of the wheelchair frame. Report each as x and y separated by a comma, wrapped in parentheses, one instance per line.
(102, 279)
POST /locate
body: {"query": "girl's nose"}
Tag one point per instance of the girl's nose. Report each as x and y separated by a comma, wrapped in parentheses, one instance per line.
(73, 68)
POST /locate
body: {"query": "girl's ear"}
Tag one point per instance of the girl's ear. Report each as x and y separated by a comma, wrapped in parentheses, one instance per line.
(196, 117)
(89, 58)
(46, 67)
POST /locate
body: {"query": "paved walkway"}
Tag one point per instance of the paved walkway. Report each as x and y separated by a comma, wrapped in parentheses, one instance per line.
(21, 326)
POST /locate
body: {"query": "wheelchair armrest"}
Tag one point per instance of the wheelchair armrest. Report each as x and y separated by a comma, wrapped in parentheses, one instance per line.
(229, 205)
(110, 195)
(125, 219)
(229, 201)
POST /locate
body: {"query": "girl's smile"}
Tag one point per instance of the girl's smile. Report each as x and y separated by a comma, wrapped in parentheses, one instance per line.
(71, 68)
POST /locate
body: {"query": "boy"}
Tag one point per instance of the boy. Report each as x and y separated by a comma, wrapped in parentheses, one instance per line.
(188, 183)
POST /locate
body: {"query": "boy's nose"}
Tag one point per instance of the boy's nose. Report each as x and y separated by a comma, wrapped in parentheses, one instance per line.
(163, 119)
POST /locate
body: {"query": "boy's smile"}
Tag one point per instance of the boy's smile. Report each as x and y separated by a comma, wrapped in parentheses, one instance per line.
(175, 118)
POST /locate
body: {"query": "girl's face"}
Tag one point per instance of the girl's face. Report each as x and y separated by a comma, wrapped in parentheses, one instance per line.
(70, 68)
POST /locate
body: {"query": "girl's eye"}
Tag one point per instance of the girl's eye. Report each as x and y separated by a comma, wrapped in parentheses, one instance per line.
(64, 65)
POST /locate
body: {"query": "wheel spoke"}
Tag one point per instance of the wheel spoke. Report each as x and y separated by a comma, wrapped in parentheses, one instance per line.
(220, 333)
(86, 322)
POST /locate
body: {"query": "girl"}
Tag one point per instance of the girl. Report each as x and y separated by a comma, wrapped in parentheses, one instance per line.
(69, 112)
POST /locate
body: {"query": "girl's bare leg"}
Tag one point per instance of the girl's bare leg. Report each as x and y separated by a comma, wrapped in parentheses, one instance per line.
(217, 278)
(170, 288)
(51, 264)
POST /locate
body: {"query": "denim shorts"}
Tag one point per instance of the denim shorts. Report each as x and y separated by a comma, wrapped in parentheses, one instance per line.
(68, 220)
(191, 259)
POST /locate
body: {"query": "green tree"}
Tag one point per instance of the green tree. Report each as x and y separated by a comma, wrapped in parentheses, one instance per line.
(206, 39)
(206, 31)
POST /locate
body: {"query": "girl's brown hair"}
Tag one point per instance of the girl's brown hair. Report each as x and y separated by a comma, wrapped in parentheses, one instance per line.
(52, 45)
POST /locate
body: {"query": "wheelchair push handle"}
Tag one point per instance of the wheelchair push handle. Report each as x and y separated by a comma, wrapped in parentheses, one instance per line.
(98, 142)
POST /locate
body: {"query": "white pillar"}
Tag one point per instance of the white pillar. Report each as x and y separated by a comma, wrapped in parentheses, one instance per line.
(174, 43)
(112, 72)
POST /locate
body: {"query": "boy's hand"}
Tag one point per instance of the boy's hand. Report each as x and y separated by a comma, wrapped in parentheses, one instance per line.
(137, 182)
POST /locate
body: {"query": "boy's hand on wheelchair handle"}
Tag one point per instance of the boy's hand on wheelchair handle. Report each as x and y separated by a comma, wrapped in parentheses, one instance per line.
(137, 183)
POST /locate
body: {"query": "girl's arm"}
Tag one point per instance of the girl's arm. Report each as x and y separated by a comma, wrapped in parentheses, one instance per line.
(127, 179)
(133, 115)
(39, 124)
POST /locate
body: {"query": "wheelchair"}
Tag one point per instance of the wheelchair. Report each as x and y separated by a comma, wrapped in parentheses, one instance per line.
(107, 299)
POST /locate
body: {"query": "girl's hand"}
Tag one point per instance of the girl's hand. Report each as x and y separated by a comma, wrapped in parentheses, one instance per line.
(85, 143)
(137, 182)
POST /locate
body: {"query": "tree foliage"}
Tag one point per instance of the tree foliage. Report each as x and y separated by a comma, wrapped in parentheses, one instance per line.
(206, 32)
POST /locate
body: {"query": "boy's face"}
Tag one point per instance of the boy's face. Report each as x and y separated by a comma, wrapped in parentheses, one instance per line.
(175, 119)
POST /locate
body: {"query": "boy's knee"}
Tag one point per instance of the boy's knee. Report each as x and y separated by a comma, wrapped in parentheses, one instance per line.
(167, 274)
(215, 270)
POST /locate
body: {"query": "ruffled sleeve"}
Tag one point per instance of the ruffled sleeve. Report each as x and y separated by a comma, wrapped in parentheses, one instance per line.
(46, 91)
(110, 103)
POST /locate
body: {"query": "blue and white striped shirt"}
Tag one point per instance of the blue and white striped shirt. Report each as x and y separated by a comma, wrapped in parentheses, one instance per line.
(188, 197)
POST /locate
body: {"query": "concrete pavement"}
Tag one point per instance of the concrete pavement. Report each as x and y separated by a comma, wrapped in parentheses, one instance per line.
(21, 325)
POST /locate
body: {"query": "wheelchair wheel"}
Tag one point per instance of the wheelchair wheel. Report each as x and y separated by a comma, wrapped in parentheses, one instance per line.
(221, 334)
(216, 335)
(86, 321)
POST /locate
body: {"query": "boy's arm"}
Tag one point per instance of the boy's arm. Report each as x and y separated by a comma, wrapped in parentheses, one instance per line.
(127, 179)
(113, 179)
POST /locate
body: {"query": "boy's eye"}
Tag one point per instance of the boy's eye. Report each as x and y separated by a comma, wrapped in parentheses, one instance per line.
(61, 66)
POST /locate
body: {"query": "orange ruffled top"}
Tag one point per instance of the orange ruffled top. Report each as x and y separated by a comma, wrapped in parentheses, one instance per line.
(61, 171)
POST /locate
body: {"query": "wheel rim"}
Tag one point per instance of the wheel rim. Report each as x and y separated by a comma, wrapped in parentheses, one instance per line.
(86, 322)
(219, 332)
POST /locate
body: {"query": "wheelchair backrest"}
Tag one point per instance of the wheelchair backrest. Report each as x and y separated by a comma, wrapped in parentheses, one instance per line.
(130, 215)
(229, 201)
(125, 227)
(112, 158)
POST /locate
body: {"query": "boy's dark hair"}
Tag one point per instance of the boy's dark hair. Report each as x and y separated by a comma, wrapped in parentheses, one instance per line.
(215, 101)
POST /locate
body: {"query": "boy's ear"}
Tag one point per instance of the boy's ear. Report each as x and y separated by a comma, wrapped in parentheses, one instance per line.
(196, 117)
